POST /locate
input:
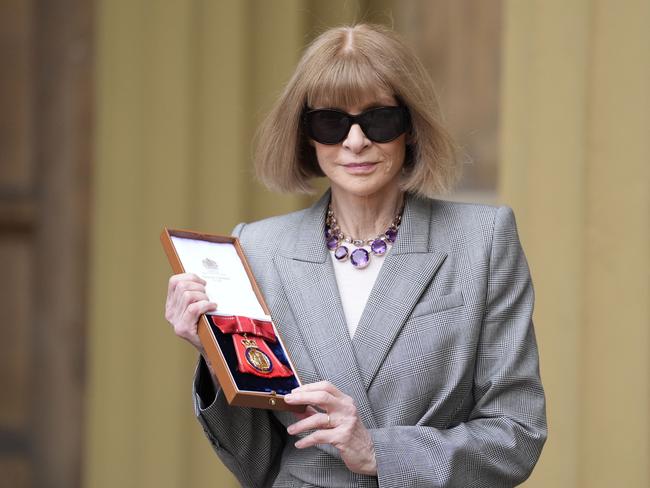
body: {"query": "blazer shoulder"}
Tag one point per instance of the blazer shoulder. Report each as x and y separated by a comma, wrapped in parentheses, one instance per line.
(464, 215)
(463, 224)
(465, 211)
(270, 232)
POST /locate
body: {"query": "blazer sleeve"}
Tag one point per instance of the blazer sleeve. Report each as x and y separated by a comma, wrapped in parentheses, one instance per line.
(249, 441)
(501, 440)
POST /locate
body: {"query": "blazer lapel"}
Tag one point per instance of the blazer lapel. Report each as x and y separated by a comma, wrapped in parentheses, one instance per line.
(308, 278)
(408, 268)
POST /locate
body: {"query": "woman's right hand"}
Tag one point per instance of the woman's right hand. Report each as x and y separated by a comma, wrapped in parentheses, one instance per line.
(186, 302)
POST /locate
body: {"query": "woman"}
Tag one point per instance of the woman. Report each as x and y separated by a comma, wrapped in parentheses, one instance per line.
(407, 318)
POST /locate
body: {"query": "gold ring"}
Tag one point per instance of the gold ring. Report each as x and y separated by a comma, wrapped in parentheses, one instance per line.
(329, 421)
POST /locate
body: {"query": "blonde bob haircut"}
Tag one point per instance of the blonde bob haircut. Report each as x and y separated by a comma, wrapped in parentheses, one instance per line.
(346, 66)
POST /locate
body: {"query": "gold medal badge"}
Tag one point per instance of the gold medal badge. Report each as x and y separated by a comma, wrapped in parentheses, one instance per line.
(255, 357)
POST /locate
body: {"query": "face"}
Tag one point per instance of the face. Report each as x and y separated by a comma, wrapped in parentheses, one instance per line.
(359, 166)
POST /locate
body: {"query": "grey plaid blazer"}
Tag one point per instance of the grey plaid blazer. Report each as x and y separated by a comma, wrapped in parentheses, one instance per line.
(443, 366)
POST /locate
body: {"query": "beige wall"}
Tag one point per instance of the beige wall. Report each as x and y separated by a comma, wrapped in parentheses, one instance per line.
(575, 166)
(180, 87)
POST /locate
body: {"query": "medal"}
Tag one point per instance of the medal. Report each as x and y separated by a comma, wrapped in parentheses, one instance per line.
(250, 338)
(255, 357)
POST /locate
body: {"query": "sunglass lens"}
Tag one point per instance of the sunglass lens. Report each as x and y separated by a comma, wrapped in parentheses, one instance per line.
(328, 126)
(384, 124)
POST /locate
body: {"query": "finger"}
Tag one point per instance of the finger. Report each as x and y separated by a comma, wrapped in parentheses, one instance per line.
(189, 319)
(320, 398)
(185, 286)
(178, 278)
(318, 386)
(180, 290)
(195, 309)
(180, 302)
(317, 421)
(188, 297)
(322, 436)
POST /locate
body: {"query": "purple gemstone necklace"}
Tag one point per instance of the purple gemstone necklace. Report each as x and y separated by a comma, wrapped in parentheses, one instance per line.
(360, 257)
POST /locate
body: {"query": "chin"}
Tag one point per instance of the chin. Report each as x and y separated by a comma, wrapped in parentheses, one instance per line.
(363, 189)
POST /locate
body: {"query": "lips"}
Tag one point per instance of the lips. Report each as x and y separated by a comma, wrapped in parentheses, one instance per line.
(359, 165)
(361, 168)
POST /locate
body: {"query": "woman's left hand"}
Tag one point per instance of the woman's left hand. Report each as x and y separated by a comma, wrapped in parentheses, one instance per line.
(338, 425)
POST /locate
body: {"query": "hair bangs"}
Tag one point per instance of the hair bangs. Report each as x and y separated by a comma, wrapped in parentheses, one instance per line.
(348, 81)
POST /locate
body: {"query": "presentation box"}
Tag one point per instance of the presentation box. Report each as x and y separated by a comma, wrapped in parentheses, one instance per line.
(242, 346)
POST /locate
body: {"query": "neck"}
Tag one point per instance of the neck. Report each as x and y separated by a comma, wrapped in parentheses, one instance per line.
(364, 217)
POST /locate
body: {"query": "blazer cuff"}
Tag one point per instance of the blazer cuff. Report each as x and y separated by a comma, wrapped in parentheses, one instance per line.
(205, 389)
(381, 439)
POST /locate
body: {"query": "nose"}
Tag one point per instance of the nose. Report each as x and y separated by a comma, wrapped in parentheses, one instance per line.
(356, 141)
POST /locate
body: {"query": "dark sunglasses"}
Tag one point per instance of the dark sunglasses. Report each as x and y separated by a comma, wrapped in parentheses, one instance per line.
(381, 124)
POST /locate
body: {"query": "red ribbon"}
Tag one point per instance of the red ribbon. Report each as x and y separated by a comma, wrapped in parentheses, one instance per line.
(249, 336)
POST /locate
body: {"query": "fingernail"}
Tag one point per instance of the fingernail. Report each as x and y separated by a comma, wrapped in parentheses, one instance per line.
(290, 429)
(288, 396)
